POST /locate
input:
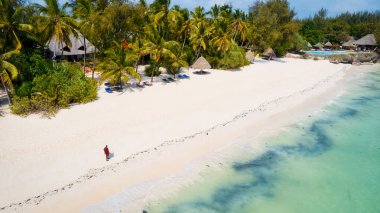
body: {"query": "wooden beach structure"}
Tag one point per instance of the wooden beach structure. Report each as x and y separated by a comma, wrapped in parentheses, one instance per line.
(250, 56)
(318, 46)
(269, 54)
(367, 42)
(201, 63)
(349, 44)
(74, 52)
(309, 45)
(328, 45)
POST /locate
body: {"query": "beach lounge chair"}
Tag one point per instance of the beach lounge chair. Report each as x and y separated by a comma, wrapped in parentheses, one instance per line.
(140, 84)
(185, 76)
(109, 90)
(180, 76)
(118, 89)
(165, 80)
(147, 83)
(171, 79)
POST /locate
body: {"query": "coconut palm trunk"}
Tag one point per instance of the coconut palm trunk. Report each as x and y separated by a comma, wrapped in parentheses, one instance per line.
(151, 77)
(183, 43)
(198, 51)
(235, 33)
(61, 51)
(93, 65)
(84, 56)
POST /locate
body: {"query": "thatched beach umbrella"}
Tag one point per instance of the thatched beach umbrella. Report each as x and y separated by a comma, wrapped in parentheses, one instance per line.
(249, 56)
(368, 40)
(269, 53)
(319, 46)
(309, 45)
(328, 44)
(349, 43)
(201, 63)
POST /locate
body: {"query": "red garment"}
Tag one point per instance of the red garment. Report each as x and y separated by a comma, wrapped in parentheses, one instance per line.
(106, 151)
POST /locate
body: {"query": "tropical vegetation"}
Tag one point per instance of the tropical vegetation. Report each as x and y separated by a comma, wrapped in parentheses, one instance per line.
(159, 35)
(321, 28)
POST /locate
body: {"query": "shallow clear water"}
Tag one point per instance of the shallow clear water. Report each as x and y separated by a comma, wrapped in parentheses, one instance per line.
(324, 53)
(328, 163)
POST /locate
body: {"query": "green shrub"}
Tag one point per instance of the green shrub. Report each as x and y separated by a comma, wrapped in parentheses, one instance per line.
(61, 86)
(234, 58)
(25, 89)
(36, 103)
(152, 68)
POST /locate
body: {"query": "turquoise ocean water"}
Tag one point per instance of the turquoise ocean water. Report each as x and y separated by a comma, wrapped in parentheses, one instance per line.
(325, 53)
(328, 163)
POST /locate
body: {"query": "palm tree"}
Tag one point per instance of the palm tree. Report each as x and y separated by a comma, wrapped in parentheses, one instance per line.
(175, 20)
(85, 10)
(199, 14)
(199, 37)
(10, 24)
(200, 32)
(238, 24)
(223, 38)
(8, 72)
(118, 65)
(54, 22)
(158, 48)
(215, 12)
(175, 64)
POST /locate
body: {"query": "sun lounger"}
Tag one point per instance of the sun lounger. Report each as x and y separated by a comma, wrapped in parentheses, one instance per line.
(183, 76)
(171, 79)
(109, 90)
(140, 84)
(165, 80)
(147, 83)
(117, 88)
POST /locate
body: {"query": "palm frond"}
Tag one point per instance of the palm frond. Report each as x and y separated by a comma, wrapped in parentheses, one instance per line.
(6, 79)
(11, 69)
(25, 27)
(9, 54)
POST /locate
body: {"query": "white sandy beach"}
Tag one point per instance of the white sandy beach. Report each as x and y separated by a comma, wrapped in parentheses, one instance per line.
(58, 164)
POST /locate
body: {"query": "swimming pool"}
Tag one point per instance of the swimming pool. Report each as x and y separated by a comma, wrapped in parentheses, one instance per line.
(325, 53)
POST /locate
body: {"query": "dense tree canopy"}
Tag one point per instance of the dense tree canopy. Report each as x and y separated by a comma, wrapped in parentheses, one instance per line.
(321, 28)
(273, 24)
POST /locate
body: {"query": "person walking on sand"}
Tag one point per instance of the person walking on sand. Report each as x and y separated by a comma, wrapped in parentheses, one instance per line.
(107, 152)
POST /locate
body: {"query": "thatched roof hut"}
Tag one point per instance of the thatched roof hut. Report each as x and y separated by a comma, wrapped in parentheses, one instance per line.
(201, 63)
(269, 52)
(77, 46)
(319, 46)
(328, 44)
(349, 43)
(368, 40)
(249, 56)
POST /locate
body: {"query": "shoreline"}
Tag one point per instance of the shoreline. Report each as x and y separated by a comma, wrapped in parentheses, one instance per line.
(216, 158)
(207, 143)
